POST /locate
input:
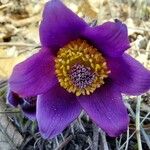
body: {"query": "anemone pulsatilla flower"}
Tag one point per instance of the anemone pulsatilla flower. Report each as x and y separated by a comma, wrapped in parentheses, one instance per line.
(78, 67)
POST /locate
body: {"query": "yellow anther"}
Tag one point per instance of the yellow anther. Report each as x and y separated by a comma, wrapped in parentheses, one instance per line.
(80, 52)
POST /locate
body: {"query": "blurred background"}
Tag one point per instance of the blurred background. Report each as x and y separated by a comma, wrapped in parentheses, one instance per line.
(19, 39)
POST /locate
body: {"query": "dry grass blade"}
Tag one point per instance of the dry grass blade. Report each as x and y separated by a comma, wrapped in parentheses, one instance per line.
(64, 143)
(19, 39)
(104, 141)
(9, 135)
(95, 137)
(139, 100)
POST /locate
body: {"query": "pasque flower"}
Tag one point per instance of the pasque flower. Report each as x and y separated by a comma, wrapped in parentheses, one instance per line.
(78, 67)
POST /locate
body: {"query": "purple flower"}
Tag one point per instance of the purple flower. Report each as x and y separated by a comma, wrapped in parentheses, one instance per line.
(28, 105)
(78, 67)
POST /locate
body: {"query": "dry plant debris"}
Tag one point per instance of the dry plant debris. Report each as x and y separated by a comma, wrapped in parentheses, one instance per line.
(19, 21)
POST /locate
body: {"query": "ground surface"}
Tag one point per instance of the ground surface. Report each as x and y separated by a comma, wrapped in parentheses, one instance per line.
(19, 22)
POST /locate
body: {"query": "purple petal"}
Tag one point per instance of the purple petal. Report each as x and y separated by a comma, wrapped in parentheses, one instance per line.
(30, 113)
(59, 25)
(33, 76)
(130, 76)
(12, 98)
(106, 108)
(56, 109)
(28, 107)
(111, 38)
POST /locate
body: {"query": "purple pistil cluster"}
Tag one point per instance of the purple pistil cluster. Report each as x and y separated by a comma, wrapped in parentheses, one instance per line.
(81, 75)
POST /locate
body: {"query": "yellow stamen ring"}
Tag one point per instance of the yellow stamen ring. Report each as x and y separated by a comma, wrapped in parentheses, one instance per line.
(80, 68)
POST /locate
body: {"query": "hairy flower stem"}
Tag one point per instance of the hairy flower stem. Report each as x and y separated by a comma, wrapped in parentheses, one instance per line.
(139, 100)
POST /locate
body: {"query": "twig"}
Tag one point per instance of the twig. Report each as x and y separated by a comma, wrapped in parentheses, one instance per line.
(3, 84)
(63, 144)
(145, 137)
(57, 142)
(138, 8)
(120, 140)
(72, 128)
(95, 137)
(139, 100)
(140, 29)
(36, 142)
(129, 8)
(103, 136)
(80, 125)
(126, 148)
(4, 112)
(89, 141)
(101, 12)
(5, 5)
(143, 131)
(26, 21)
(133, 116)
(147, 53)
(13, 146)
(62, 136)
(145, 117)
(25, 143)
(117, 144)
(17, 44)
(122, 146)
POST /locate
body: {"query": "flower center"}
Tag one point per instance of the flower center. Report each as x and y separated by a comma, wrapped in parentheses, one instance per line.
(81, 75)
(80, 68)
